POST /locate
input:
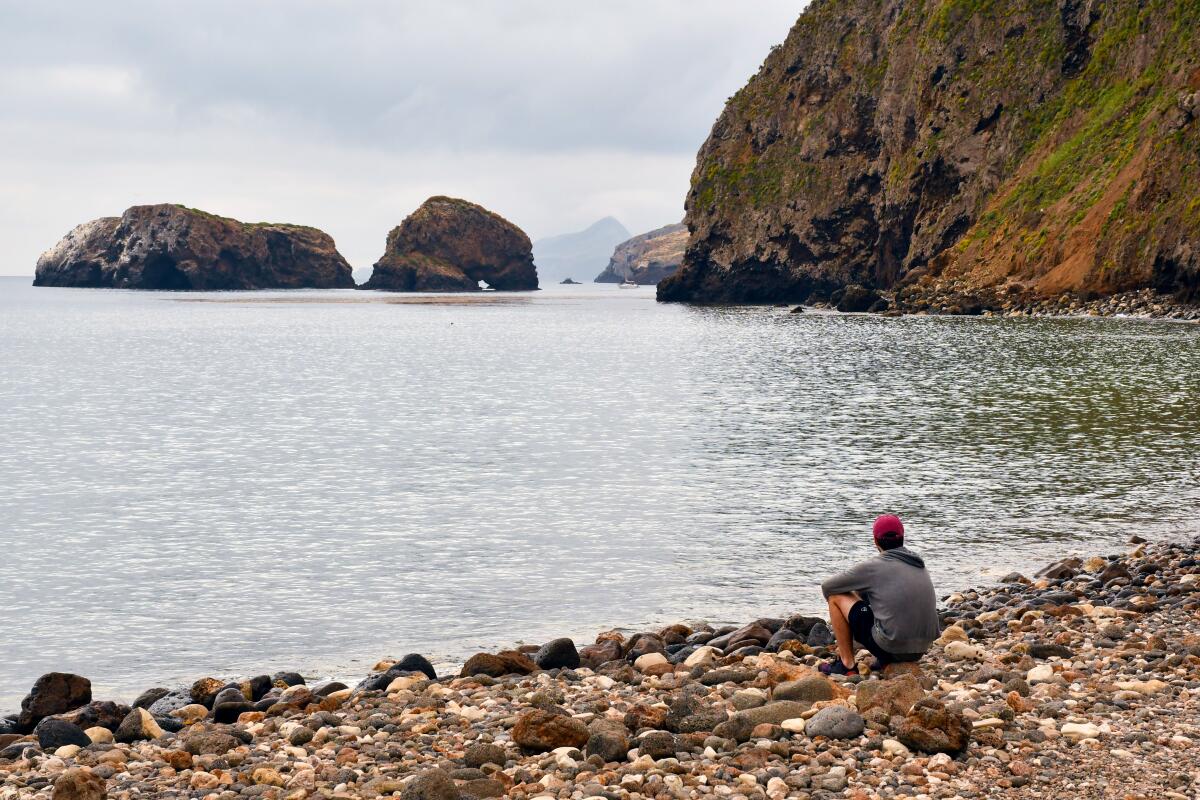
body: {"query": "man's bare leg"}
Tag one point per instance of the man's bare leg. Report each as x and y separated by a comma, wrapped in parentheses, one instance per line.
(839, 620)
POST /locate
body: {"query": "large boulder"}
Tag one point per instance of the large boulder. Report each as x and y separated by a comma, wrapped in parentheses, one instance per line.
(53, 733)
(209, 742)
(170, 247)
(53, 693)
(931, 727)
(432, 784)
(648, 258)
(609, 739)
(542, 730)
(450, 245)
(507, 662)
(138, 726)
(895, 697)
(79, 783)
(558, 653)
(600, 653)
(103, 713)
(835, 722)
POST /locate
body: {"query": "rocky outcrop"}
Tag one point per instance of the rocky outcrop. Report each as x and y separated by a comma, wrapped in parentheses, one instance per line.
(649, 258)
(170, 247)
(450, 245)
(53, 693)
(949, 147)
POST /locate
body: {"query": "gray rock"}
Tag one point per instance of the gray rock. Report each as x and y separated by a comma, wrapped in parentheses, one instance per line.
(819, 636)
(746, 700)
(53, 733)
(609, 740)
(171, 701)
(728, 675)
(432, 784)
(557, 654)
(811, 689)
(479, 754)
(301, 736)
(774, 713)
(835, 722)
(150, 697)
(657, 744)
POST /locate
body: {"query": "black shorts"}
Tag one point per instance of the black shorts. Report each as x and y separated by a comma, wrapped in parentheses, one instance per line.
(862, 623)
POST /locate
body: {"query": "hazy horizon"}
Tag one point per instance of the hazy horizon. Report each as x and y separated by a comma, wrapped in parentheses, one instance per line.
(346, 117)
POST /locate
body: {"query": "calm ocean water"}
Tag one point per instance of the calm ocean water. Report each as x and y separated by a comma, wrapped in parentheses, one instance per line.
(233, 484)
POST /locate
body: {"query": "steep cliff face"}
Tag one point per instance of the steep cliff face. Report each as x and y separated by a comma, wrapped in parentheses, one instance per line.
(649, 258)
(450, 245)
(175, 248)
(956, 146)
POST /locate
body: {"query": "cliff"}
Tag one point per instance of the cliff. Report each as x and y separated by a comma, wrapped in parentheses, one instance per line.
(956, 147)
(450, 245)
(176, 248)
(649, 258)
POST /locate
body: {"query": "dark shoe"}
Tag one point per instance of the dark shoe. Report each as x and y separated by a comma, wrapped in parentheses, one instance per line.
(835, 667)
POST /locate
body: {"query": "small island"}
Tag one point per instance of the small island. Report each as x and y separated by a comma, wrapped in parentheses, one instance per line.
(174, 248)
(451, 245)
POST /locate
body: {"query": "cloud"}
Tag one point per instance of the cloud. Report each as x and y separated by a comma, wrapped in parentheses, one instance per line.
(347, 114)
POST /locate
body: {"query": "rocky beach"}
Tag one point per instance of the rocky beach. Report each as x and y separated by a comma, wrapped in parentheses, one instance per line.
(1078, 681)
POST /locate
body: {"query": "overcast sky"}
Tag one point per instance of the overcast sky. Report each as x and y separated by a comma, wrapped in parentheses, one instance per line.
(346, 115)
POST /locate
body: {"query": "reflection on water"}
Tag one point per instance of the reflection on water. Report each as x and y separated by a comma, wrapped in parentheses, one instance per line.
(235, 487)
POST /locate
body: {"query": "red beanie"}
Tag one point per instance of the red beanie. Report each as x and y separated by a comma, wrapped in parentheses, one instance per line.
(888, 530)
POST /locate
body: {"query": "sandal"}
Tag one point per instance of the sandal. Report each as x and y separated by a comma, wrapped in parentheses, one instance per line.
(835, 667)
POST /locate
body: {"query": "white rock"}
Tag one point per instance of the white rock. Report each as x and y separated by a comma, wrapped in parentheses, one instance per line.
(893, 748)
(1142, 687)
(961, 651)
(777, 787)
(1040, 674)
(702, 655)
(404, 682)
(1075, 731)
(648, 660)
(68, 751)
(990, 722)
(795, 725)
(602, 682)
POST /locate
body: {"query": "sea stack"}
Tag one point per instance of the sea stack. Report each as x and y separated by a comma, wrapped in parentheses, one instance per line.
(942, 151)
(649, 258)
(170, 247)
(450, 245)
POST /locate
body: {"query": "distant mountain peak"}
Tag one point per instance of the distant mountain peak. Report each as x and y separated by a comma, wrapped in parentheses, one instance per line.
(578, 255)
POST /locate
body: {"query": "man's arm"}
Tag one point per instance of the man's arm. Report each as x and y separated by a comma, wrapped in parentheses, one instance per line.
(855, 579)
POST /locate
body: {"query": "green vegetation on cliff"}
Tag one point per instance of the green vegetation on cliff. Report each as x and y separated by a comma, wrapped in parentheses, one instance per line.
(1049, 144)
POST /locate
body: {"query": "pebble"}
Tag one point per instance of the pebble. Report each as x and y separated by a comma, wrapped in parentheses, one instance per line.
(1078, 682)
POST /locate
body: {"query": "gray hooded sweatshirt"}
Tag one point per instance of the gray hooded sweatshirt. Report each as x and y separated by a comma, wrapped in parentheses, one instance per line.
(897, 587)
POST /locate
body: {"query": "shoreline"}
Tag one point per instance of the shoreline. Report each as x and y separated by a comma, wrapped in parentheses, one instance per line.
(350, 669)
(1037, 683)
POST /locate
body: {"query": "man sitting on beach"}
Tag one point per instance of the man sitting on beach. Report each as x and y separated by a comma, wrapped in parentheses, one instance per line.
(886, 603)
